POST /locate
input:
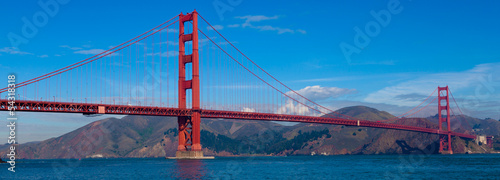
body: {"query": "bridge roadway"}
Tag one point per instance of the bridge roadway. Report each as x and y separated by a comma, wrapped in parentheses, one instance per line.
(88, 108)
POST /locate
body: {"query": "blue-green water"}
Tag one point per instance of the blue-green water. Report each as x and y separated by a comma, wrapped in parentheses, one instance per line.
(295, 167)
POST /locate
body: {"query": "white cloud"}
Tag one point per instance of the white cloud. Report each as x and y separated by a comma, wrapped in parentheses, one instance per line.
(216, 27)
(170, 54)
(90, 51)
(302, 31)
(69, 47)
(12, 50)
(313, 93)
(271, 28)
(257, 18)
(321, 93)
(245, 109)
(170, 30)
(97, 51)
(165, 54)
(237, 87)
(169, 43)
(43, 56)
(293, 107)
(4, 67)
(249, 19)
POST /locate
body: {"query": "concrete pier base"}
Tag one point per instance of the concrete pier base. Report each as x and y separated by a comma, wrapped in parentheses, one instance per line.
(445, 152)
(190, 155)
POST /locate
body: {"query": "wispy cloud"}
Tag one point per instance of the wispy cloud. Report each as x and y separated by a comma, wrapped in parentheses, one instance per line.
(169, 43)
(165, 54)
(236, 87)
(479, 83)
(96, 51)
(4, 67)
(83, 50)
(69, 47)
(12, 50)
(90, 51)
(216, 27)
(245, 109)
(256, 18)
(43, 56)
(402, 76)
(349, 78)
(170, 30)
(292, 107)
(250, 19)
(271, 28)
(386, 62)
(315, 93)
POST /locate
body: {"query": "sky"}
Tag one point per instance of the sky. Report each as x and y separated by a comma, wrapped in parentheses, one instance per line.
(389, 55)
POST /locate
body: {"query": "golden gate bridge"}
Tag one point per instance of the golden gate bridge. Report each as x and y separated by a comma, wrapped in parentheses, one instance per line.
(194, 72)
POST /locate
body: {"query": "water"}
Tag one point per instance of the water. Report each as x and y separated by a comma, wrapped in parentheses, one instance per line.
(295, 167)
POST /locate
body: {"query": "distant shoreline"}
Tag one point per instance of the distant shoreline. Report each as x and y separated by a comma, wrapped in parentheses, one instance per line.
(249, 156)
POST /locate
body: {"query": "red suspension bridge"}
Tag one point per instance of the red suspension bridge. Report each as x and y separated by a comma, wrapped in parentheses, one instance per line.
(192, 72)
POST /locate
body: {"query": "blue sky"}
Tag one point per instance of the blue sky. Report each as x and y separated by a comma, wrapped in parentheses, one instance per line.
(423, 45)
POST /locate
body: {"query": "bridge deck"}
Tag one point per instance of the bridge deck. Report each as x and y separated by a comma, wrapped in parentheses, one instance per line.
(87, 108)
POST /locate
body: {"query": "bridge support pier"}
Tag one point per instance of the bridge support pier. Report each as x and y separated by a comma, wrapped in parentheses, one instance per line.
(189, 126)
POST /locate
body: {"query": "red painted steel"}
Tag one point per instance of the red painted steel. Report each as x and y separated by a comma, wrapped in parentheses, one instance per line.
(444, 139)
(189, 126)
(88, 108)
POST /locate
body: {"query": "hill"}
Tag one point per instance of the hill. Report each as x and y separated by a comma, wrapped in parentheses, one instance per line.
(153, 136)
(363, 112)
(470, 124)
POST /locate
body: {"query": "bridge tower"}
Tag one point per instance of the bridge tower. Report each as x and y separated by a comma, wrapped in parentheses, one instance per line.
(444, 135)
(189, 126)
